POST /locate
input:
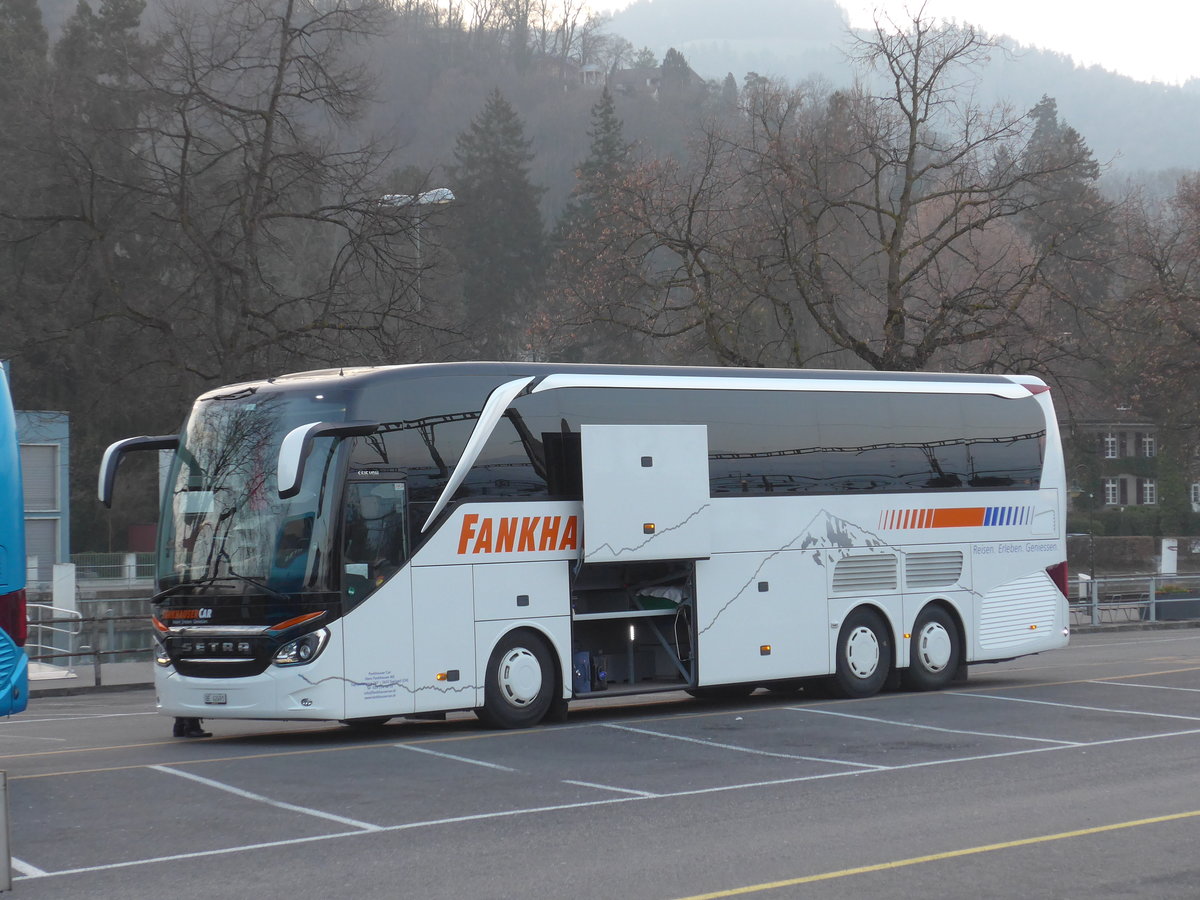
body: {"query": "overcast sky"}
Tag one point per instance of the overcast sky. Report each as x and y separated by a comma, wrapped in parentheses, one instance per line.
(1149, 39)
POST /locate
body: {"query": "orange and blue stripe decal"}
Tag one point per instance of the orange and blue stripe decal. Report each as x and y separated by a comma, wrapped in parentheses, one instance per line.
(965, 517)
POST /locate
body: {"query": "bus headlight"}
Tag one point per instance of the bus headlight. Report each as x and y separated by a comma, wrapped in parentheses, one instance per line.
(303, 649)
(161, 657)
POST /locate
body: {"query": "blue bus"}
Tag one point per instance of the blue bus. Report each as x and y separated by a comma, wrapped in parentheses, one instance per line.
(14, 665)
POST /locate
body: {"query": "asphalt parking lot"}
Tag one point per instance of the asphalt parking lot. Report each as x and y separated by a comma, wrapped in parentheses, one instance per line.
(1071, 774)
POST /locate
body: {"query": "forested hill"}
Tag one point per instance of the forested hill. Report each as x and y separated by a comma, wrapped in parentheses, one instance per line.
(212, 191)
(1136, 126)
(427, 97)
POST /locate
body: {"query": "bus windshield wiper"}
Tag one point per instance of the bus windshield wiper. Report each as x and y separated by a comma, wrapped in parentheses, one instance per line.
(175, 589)
(250, 581)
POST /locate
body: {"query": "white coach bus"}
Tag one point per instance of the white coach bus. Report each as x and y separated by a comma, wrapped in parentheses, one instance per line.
(362, 544)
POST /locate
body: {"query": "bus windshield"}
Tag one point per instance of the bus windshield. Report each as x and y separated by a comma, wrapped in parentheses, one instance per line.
(224, 525)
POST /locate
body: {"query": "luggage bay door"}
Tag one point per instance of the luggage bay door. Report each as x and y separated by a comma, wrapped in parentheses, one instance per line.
(645, 492)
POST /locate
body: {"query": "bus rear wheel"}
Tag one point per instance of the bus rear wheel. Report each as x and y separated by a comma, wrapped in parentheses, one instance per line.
(935, 651)
(518, 687)
(864, 655)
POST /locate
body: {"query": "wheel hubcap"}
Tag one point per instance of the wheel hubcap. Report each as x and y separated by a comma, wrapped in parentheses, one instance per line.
(520, 677)
(862, 652)
(934, 647)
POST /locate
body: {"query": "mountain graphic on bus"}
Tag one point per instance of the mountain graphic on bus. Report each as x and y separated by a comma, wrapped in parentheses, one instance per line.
(825, 531)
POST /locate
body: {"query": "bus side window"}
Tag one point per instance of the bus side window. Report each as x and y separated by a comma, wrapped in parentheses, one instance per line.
(375, 536)
(564, 464)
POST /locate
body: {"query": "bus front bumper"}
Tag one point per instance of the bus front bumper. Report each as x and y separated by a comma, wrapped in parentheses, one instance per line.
(301, 692)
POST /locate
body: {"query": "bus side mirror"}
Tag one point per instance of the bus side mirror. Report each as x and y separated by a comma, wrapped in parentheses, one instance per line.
(112, 459)
(297, 445)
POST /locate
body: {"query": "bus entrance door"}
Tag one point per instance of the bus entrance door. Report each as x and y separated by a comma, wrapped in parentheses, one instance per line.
(645, 492)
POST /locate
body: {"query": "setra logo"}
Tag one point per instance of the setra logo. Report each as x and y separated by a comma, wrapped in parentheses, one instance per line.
(517, 534)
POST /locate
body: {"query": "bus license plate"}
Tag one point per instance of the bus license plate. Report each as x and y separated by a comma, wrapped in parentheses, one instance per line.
(215, 699)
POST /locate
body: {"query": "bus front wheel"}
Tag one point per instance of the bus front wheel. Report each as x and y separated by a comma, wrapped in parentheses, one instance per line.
(864, 655)
(935, 651)
(518, 687)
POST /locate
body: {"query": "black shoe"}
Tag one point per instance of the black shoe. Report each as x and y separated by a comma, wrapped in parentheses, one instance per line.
(187, 727)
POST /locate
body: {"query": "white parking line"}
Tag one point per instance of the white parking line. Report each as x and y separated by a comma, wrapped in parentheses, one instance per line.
(199, 854)
(30, 737)
(12, 723)
(1156, 687)
(1084, 644)
(278, 804)
(607, 787)
(26, 869)
(720, 746)
(1011, 737)
(464, 759)
(1119, 712)
(509, 813)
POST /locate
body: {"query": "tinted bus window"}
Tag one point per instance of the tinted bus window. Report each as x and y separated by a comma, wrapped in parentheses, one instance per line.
(781, 443)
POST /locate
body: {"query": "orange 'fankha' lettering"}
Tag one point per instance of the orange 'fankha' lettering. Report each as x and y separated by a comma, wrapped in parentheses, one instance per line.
(527, 526)
(500, 535)
(506, 535)
(483, 543)
(549, 533)
(570, 538)
(468, 531)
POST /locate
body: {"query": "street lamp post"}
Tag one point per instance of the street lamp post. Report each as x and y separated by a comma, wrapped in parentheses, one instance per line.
(435, 197)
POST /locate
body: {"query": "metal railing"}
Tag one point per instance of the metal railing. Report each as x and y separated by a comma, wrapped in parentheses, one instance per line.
(51, 629)
(1136, 598)
(66, 638)
(121, 568)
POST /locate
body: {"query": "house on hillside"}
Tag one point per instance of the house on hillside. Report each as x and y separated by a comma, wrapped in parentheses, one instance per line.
(648, 82)
(634, 82)
(570, 72)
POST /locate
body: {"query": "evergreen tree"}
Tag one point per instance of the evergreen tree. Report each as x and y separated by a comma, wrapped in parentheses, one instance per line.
(1070, 224)
(1066, 195)
(590, 266)
(600, 171)
(645, 59)
(23, 44)
(676, 74)
(500, 226)
(26, 267)
(729, 92)
(80, 233)
(103, 42)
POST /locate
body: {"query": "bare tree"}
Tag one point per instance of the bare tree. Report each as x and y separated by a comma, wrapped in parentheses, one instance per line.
(883, 224)
(271, 214)
(486, 16)
(1153, 350)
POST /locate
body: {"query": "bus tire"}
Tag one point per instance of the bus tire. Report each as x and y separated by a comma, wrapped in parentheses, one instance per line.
(518, 686)
(935, 651)
(864, 655)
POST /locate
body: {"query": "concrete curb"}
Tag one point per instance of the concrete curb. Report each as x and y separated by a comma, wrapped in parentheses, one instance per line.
(1135, 626)
(77, 689)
